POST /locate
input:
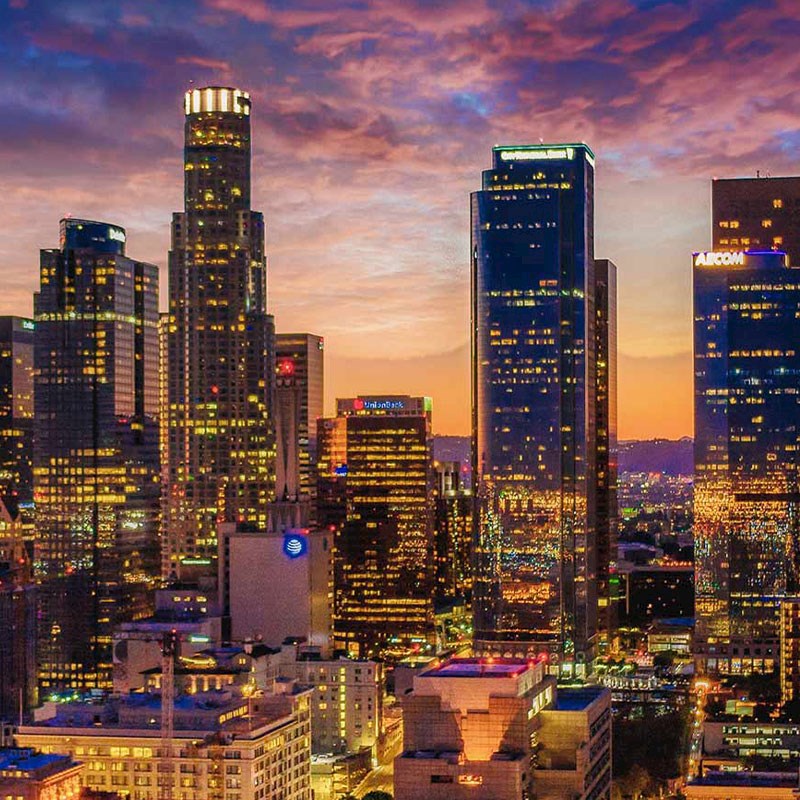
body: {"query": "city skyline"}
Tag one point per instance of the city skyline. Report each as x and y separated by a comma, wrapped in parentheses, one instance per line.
(359, 185)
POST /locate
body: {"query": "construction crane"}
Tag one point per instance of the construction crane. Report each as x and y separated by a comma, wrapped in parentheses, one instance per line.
(169, 650)
(169, 642)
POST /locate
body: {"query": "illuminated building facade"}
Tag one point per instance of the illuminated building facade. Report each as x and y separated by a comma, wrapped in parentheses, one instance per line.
(453, 532)
(298, 406)
(16, 410)
(226, 744)
(96, 465)
(18, 622)
(28, 775)
(757, 214)
(790, 649)
(220, 461)
(377, 452)
(605, 307)
(500, 729)
(747, 389)
(534, 404)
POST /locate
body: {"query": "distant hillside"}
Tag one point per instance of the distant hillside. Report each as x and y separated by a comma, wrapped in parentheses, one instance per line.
(657, 455)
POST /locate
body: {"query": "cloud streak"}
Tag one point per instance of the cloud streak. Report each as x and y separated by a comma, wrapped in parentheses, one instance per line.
(372, 121)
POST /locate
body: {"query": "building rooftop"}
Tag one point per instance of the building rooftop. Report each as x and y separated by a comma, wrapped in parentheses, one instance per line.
(27, 760)
(478, 668)
(577, 699)
(745, 778)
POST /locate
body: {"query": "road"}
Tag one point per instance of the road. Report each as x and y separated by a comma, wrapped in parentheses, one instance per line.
(696, 738)
(382, 777)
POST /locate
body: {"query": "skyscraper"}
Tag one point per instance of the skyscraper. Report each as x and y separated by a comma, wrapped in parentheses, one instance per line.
(534, 403)
(16, 410)
(17, 620)
(298, 406)
(453, 532)
(605, 306)
(746, 395)
(96, 467)
(220, 341)
(378, 450)
(757, 214)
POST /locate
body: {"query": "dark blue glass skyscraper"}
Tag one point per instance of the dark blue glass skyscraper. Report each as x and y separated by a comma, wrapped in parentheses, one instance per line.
(534, 403)
(747, 438)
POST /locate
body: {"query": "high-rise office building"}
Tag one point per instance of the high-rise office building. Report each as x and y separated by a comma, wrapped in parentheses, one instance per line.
(453, 532)
(746, 395)
(605, 306)
(220, 462)
(534, 404)
(16, 410)
(377, 451)
(18, 621)
(757, 214)
(96, 466)
(298, 406)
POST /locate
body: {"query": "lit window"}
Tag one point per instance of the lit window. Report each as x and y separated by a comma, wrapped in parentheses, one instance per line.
(766, 223)
(777, 203)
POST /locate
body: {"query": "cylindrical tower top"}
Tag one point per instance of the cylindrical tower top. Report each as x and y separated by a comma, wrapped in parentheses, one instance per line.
(214, 99)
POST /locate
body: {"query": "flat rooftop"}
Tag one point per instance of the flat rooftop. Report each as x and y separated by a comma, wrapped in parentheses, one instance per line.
(478, 668)
(570, 699)
(26, 760)
(745, 778)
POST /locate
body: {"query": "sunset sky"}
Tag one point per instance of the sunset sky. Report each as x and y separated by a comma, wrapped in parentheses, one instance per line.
(372, 122)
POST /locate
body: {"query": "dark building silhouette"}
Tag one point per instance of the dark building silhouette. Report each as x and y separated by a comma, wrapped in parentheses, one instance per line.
(605, 306)
(298, 405)
(17, 621)
(453, 532)
(16, 411)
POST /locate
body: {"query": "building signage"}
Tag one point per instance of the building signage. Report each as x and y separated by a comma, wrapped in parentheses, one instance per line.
(295, 545)
(547, 154)
(719, 259)
(378, 405)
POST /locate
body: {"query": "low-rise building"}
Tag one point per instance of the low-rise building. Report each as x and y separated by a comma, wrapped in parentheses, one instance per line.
(491, 729)
(742, 738)
(28, 775)
(671, 635)
(225, 745)
(346, 702)
(575, 740)
(743, 786)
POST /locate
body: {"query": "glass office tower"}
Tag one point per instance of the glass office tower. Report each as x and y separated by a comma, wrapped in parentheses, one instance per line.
(16, 412)
(298, 406)
(376, 461)
(534, 404)
(747, 395)
(221, 453)
(96, 465)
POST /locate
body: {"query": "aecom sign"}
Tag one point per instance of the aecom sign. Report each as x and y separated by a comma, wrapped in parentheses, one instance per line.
(719, 259)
